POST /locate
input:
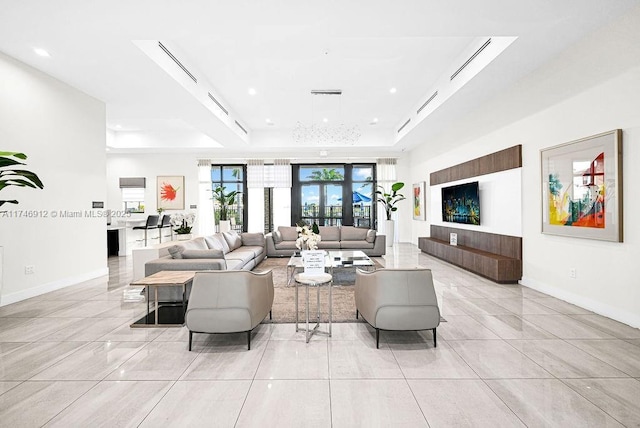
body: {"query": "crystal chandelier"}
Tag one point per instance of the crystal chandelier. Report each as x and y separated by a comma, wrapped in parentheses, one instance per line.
(325, 134)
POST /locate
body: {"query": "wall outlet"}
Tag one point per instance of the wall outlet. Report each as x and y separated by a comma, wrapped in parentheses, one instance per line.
(572, 273)
(29, 270)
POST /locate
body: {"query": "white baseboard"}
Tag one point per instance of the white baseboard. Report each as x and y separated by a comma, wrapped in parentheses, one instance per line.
(629, 318)
(52, 286)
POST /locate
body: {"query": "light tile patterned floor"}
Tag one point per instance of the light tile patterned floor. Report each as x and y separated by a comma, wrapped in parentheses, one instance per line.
(507, 356)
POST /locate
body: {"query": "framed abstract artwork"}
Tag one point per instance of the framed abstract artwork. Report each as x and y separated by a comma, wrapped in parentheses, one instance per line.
(171, 192)
(582, 188)
(419, 201)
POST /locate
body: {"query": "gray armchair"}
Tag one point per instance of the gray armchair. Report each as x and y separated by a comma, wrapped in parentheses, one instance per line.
(397, 299)
(228, 302)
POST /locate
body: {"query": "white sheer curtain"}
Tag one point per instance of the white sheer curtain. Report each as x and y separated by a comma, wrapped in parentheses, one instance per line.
(277, 176)
(386, 176)
(205, 219)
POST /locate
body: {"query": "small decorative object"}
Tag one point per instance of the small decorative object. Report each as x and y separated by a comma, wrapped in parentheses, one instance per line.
(160, 211)
(16, 177)
(182, 223)
(389, 201)
(582, 188)
(171, 192)
(418, 201)
(308, 238)
(453, 239)
(223, 201)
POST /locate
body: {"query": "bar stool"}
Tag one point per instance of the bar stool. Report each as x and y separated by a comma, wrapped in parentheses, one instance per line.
(314, 281)
(152, 223)
(166, 222)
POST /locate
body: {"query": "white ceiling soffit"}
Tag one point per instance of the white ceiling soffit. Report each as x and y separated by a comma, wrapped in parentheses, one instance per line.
(168, 57)
(478, 55)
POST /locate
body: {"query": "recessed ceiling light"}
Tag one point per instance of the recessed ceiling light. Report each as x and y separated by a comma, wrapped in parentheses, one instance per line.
(325, 120)
(41, 52)
(269, 122)
(118, 126)
(374, 121)
(252, 91)
(393, 90)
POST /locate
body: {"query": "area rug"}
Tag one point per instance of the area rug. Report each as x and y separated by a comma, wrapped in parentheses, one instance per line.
(344, 305)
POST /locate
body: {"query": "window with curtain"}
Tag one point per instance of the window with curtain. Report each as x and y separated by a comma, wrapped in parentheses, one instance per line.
(334, 194)
(231, 178)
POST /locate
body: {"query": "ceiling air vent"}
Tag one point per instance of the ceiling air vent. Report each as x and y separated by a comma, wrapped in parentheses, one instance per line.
(177, 61)
(467, 62)
(403, 125)
(240, 126)
(435, 94)
(326, 92)
(218, 104)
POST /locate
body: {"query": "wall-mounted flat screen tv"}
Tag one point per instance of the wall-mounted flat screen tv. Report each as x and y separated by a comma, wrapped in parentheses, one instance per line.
(461, 204)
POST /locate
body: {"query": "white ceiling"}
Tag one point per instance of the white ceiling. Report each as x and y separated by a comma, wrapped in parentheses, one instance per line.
(284, 49)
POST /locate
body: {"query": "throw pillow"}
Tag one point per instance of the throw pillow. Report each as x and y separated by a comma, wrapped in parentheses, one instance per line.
(217, 242)
(195, 244)
(176, 251)
(202, 254)
(371, 236)
(233, 240)
(277, 237)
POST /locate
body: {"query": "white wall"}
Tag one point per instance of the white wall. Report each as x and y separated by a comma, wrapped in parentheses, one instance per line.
(591, 88)
(151, 166)
(62, 131)
(500, 203)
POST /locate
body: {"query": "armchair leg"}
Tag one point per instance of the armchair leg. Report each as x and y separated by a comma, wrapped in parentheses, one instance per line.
(270, 315)
(357, 313)
(377, 338)
(190, 339)
(249, 340)
(435, 341)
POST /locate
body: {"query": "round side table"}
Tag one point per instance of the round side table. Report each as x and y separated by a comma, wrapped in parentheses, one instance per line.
(314, 281)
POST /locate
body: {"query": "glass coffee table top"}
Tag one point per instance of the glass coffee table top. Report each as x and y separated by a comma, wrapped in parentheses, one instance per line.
(349, 258)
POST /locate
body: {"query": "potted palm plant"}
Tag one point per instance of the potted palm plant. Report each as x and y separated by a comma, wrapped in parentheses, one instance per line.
(389, 201)
(224, 200)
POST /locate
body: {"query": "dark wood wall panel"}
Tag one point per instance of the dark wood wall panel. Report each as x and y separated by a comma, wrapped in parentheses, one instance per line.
(495, 162)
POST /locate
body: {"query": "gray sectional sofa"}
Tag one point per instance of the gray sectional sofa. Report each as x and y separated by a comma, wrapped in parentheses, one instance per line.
(282, 242)
(220, 251)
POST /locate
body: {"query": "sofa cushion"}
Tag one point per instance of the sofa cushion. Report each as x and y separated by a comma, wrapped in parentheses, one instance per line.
(252, 239)
(217, 242)
(350, 233)
(277, 236)
(243, 255)
(329, 233)
(286, 245)
(371, 236)
(202, 254)
(256, 249)
(175, 251)
(355, 245)
(289, 233)
(328, 245)
(233, 239)
(195, 244)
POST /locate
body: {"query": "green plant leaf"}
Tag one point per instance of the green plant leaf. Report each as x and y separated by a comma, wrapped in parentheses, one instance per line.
(397, 186)
(14, 154)
(8, 202)
(4, 162)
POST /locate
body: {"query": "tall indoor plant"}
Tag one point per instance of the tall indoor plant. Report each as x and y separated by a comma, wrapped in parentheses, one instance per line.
(224, 200)
(389, 201)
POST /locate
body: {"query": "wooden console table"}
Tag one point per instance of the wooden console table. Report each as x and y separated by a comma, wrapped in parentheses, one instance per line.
(497, 257)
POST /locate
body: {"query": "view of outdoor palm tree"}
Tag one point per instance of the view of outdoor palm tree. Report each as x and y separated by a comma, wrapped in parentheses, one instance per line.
(324, 174)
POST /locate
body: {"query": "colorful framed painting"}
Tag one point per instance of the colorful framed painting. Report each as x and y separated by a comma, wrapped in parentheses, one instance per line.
(582, 188)
(171, 192)
(419, 201)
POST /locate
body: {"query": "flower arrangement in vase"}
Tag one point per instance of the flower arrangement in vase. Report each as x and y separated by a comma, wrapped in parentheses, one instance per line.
(182, 223)
(308, 237)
